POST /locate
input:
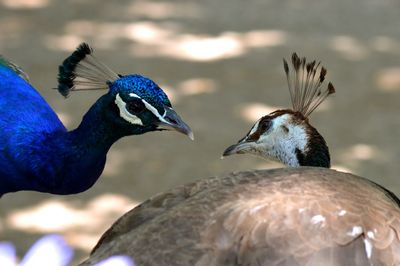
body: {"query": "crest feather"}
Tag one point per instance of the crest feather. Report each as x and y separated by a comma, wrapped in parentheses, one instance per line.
(305, 84)
(82, 71)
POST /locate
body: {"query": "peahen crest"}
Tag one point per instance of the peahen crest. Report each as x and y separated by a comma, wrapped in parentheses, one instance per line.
(305, 84)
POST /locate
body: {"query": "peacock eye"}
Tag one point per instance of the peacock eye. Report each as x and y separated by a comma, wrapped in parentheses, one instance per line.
(135, 106)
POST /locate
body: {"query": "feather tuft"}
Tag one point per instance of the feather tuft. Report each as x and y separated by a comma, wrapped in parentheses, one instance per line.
(82, 71)
(331, 88)
(285, 66)
(305, 84)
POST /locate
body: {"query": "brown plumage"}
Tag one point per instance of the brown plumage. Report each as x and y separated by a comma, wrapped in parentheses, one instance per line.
(292, 216)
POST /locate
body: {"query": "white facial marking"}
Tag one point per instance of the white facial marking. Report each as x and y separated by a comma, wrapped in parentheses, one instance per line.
(151, 109)
(317, 219)
(133, 119)
(368, 247)
(254, 128)
(134, 95)
(280, 145)
(342, 212)
(355, 231)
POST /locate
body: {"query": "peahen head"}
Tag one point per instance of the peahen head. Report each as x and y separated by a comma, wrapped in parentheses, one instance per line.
(133, 105)
(286, 135)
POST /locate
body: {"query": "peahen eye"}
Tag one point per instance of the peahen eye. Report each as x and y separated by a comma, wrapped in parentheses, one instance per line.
(135, 106)
(265, 125)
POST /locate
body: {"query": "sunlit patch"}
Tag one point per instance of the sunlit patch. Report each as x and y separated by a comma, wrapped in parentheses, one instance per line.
(147, 32)
(64, 43)
(203, 47)
(152, 39)
(349, 47)
(362, 152)
(206, 48)
(161, 10)
(197, 86)
(56, 216)
(389, 79)
(264, 38)
(24, 4)
(65, 119)
(82, 240)
(254, 111)
(341, 168)
(50, 216)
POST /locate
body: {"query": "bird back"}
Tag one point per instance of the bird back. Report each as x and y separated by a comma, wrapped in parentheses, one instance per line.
(25, 117)
(289, 216)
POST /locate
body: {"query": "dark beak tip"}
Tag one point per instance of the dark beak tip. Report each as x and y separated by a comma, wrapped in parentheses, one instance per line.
(229, 151)
(183, 128)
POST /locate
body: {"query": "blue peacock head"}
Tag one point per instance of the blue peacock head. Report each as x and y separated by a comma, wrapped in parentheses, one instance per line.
(136, 103)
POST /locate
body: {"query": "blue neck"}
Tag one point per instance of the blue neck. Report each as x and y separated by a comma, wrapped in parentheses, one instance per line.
(71, 162)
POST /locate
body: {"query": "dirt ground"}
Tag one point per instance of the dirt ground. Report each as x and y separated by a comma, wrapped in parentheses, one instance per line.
(221, 64)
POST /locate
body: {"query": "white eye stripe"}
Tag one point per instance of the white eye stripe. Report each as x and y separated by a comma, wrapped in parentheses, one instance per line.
(123, 112)
(151, 108)
(252, 131)
(134, 95)
(254, 128)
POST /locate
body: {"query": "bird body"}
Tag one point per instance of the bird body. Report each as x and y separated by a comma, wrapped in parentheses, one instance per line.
(288, 216)
(38, 153)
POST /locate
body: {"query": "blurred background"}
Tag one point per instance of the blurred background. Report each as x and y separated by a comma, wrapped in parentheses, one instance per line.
(220, 62)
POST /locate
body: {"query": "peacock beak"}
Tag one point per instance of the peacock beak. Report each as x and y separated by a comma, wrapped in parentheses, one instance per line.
(171, 120)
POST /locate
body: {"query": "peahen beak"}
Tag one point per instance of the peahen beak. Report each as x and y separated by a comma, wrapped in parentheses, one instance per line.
(238, 148)
(171, 120)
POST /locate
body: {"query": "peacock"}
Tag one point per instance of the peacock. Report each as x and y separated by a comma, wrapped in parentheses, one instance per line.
(38, 153)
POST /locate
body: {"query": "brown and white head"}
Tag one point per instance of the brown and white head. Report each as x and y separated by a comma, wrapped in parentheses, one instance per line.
(286, 135)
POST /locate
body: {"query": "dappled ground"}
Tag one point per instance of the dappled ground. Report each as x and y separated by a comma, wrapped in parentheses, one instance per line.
(221, 64)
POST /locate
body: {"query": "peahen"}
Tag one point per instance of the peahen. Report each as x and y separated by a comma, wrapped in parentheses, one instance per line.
(282, 217)
(286, 135)
(38, 153)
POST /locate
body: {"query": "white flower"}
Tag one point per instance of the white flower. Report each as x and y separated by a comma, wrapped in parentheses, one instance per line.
(51, 250)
